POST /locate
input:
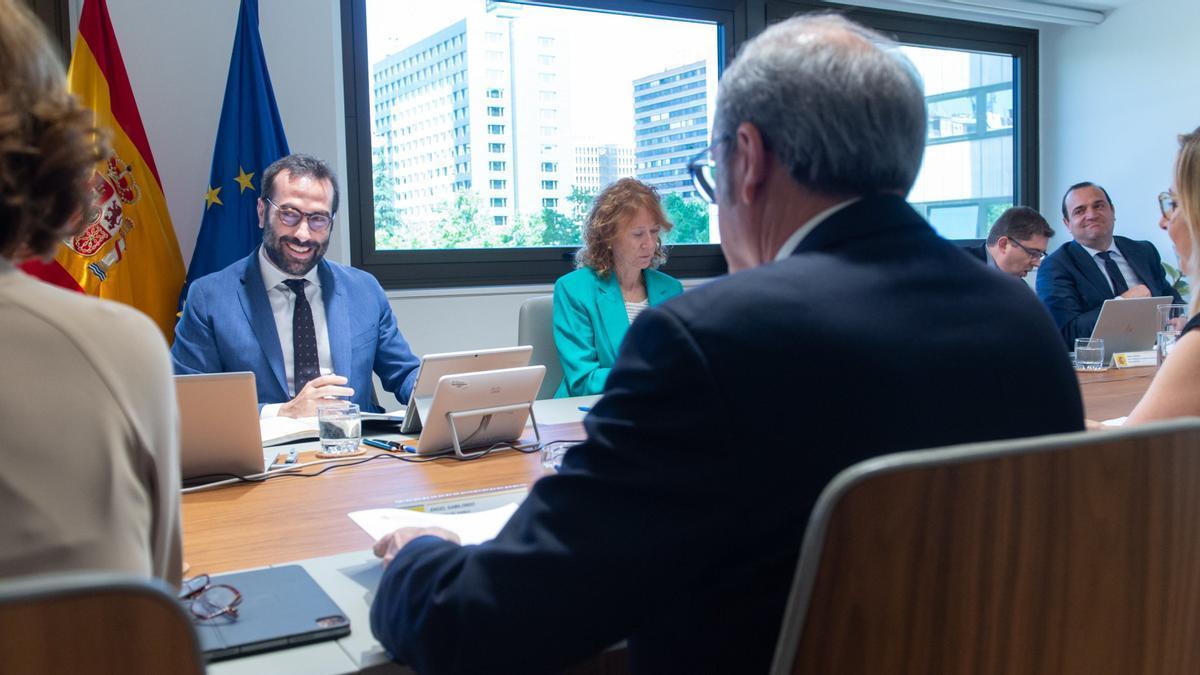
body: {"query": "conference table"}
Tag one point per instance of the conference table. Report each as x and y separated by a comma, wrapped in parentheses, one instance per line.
(304, 521)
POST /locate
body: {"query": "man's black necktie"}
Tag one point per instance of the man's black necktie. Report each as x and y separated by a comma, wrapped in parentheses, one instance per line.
(306, 366)
(1114, 273)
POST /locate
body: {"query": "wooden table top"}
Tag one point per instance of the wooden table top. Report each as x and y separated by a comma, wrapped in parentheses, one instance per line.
(287, 519)
(284, 519)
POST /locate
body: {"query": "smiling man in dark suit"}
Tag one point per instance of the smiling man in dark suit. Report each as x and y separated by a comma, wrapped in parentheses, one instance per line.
(1075, 280)
(847, 328)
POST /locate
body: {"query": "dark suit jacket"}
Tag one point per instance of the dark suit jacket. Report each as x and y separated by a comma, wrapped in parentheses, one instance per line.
(1073, 288)
(677, 524)
(227, 326)
(979, 252)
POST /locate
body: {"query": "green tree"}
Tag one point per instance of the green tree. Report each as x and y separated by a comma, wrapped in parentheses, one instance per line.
(559, 230)
(690, 217)
(389, 228)
(461, 223)
(581, 202)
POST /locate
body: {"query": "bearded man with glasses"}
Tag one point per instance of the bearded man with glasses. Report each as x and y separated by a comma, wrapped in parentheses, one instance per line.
(309, 329)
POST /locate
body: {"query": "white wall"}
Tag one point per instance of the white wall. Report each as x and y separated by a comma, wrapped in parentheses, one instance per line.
(1113, 99)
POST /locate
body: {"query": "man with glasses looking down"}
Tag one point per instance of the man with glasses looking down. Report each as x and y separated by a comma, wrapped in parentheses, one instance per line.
(1076, 279)
(847, 329)
(1016, 243)
(309, 329)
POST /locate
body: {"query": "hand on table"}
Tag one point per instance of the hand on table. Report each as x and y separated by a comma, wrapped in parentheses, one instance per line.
(317, 391)
(389, 546)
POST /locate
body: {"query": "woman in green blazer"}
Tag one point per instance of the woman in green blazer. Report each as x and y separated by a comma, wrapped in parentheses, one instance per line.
(616, 279)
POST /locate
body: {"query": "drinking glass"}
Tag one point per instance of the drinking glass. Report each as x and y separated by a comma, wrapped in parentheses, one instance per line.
(1089, 354)
(1172, 317)
(1164, 343)
(340, 428)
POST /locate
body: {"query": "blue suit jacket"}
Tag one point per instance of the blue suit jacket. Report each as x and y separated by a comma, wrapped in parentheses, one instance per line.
(1073, 288)
(227, 326)
(677, 523)
(590, 322)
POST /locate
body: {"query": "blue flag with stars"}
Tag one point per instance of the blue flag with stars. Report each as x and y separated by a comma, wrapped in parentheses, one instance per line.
(249, 138)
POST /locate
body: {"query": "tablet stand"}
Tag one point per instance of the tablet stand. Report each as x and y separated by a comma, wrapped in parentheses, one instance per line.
(487, 418)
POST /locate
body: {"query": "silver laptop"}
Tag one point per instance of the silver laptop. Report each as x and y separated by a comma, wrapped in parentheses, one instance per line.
(219, 432)
(434, 366)
(1129, 324)
(502, 398)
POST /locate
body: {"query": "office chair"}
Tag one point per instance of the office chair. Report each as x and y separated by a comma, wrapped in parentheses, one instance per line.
(535, 327)
(1069, 554)
(95, 623)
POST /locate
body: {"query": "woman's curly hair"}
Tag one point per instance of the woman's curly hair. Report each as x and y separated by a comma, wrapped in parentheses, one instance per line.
(611, 209)
(48, 144)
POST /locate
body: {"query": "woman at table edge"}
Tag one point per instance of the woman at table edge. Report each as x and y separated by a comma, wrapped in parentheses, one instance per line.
(616, 278)
(1175, 390)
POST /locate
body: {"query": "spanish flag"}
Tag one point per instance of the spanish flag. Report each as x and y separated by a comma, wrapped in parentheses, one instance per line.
(127, 249)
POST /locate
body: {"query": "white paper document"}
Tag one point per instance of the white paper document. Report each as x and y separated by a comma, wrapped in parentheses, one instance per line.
(471, 528)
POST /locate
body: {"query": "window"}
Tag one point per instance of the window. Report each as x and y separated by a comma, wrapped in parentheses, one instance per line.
(499, 202)
(415, 116)
(549, 167)
(497, 166)
(495, 111)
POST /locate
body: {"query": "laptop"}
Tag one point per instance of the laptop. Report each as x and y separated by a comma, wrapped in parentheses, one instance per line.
(219, 432)
(1129, 324)
(464, 392)
(280, 607)
(434, 366)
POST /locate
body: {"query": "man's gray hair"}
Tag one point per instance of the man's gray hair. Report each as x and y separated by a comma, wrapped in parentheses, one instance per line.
(835, 102)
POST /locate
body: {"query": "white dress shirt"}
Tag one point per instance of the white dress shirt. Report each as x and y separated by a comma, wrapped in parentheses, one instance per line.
(793, 241)
(1131, 277)
(282, 304)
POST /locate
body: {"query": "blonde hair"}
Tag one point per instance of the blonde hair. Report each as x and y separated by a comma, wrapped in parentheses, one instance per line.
(611, 209)
(1187, 181)
(48, 144)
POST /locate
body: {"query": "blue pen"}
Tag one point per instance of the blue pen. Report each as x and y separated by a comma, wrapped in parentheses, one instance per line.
(585, 408)
(390, 446)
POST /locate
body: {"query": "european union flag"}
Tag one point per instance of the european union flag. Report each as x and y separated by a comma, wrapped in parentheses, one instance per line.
(249, 138)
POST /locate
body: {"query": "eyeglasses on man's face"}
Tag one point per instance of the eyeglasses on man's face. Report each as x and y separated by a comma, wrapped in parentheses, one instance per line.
(317, 222)
(1167, 204)
(1035, 253)
(207, 601)
(703, 169)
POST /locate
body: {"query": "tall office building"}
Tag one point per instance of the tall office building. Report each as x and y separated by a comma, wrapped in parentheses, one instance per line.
(598, 166)
(670, 126)
(441, 128)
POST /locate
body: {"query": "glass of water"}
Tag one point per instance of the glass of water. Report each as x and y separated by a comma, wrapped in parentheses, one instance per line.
(1165, 343)
(340, 428)
(1089, 354)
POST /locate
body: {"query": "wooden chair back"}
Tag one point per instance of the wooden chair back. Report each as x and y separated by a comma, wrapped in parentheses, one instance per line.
(1076, 554)
(95, 623)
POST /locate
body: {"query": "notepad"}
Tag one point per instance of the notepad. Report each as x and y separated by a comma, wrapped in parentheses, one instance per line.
(280, 430)
(471, 528)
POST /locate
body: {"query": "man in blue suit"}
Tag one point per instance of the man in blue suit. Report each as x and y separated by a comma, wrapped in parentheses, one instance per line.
(1075, 280)
(847, 329)
(308, 329)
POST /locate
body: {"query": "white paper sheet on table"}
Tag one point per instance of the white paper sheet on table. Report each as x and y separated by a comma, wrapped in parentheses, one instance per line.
(1114, 422)
(471, 528)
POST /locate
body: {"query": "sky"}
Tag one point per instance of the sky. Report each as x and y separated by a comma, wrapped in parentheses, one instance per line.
(606, 51)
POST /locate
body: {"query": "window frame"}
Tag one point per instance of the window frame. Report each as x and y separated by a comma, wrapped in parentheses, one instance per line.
(447, 268)
(736, 20)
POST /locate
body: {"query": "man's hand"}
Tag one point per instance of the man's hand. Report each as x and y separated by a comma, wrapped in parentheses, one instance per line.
(1139, 291)
(316, 392)
(389, 546)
